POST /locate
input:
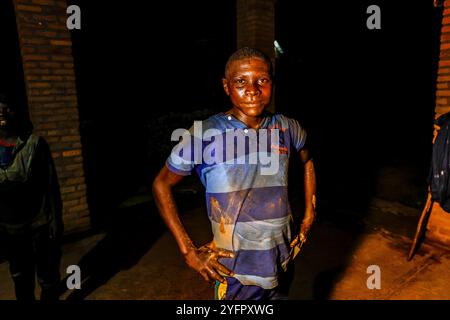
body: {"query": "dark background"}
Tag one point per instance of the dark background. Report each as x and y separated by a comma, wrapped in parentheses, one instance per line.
(366, 97)
(11, 71)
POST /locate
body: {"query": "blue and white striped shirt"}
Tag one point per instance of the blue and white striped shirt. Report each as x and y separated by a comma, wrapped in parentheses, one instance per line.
(249, 212)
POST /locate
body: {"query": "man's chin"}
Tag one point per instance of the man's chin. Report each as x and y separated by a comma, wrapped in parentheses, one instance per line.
(253, 111)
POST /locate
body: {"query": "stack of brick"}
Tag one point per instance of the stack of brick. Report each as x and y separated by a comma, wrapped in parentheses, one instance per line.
(256, 24)
(49, 73)
(256, 27)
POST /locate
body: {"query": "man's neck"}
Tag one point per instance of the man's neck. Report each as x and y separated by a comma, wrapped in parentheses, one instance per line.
(251, 122)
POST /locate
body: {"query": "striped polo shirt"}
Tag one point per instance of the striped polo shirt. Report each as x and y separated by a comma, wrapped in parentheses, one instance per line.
(249, 211)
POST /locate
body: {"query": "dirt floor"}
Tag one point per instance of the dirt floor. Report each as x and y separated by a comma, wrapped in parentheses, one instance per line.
(136, 258)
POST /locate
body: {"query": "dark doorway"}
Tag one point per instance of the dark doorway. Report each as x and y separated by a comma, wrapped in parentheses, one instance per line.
(135, 64)
(11, 72)
(366, 96)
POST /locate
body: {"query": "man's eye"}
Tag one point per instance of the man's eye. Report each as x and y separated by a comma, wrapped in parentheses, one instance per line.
(240, 81)
(264, 80)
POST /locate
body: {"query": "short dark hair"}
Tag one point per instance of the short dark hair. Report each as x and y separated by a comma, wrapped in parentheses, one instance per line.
(247, 53)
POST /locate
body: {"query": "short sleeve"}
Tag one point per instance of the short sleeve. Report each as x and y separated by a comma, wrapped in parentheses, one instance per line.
(297, 133)
(181, 160)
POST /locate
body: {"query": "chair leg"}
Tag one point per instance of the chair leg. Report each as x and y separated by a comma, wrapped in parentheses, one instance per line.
(421, 226)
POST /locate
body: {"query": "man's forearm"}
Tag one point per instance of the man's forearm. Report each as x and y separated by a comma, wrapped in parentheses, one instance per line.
(310, 190)
(169, 212)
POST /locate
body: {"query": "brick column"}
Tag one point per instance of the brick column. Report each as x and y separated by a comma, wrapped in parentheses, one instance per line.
(438, 228)
(256, 27)
(46, 49)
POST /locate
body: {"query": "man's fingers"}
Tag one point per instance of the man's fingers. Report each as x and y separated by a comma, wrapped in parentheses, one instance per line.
(295, 241)
(205, 276)
(225, 253)
(211, 245)
(214, 275)
(299, 239)
(221, 268)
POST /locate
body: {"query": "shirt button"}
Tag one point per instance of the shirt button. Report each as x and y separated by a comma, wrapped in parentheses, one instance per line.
(229, 118)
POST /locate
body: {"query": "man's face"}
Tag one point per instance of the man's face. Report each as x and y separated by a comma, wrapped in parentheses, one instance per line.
(249, 85)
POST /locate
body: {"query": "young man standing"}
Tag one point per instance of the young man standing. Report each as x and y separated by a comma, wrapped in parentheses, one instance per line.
(253, 245)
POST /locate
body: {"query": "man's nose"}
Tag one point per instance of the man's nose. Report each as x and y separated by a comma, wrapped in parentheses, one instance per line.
(252, 89)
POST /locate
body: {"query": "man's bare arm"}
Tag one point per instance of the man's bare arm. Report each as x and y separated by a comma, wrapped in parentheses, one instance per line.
(162, 191)
(310, 196)
(310, 189)
(204, 259)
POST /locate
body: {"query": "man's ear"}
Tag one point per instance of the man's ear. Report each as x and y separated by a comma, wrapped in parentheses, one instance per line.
(225, 86)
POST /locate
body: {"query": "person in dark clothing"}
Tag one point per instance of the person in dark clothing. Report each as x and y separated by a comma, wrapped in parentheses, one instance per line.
(30, 209)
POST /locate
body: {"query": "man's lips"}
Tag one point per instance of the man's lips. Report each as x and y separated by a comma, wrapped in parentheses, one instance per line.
(252, 103)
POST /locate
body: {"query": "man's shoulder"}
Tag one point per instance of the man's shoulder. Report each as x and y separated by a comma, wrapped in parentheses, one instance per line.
(34, 139)
(215, 121)
(215, 118)
(281, 117)
(284, 121)
(32, 142)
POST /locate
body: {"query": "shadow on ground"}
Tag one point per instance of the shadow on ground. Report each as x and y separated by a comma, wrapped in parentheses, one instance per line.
(130, 235)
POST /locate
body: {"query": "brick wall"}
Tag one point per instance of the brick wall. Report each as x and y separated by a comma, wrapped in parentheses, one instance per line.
(256, 24)
(46, 49)
(256, 27)
(438, 228)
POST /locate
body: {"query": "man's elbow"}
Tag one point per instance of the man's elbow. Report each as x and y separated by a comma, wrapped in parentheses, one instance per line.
(164, 181)
(157, 184)
(161, 184)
